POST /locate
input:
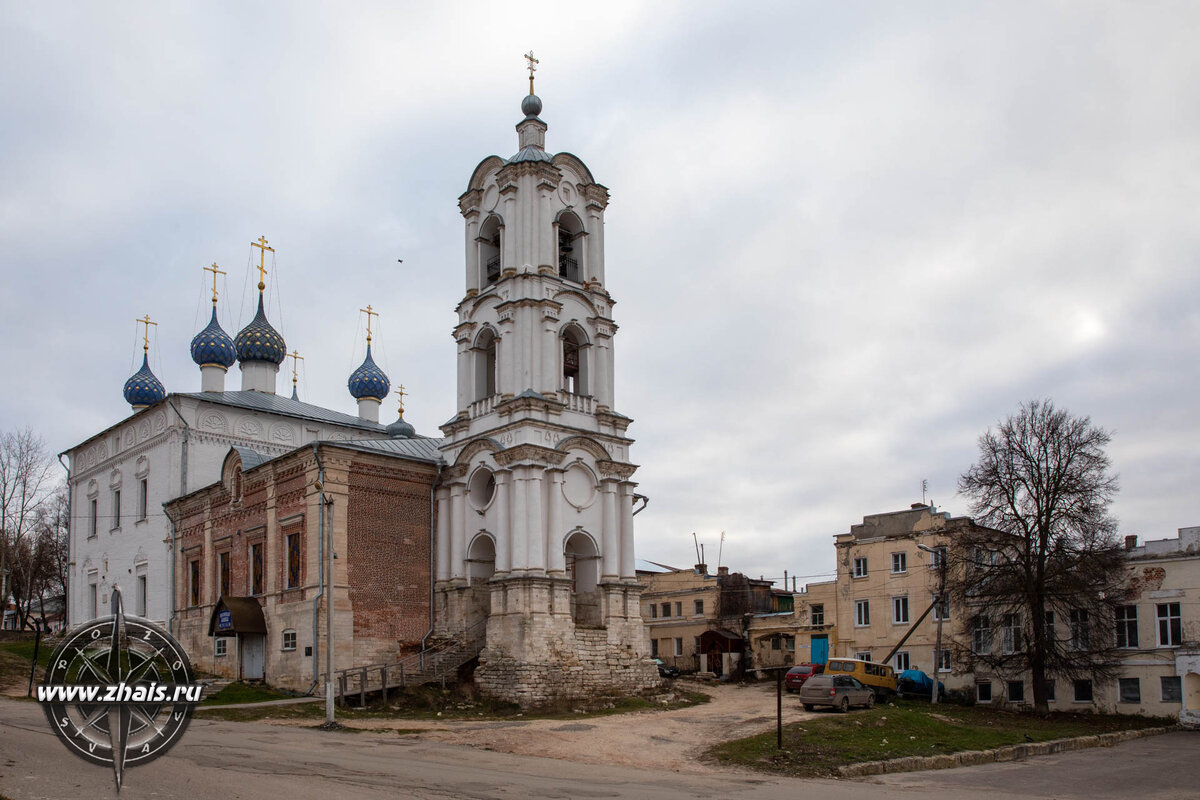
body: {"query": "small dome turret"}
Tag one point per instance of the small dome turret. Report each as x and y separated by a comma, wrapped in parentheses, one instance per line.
(143, 389)
(213, 347)
(258, 341)
(369, 382)
(531, 105)
(401, 429)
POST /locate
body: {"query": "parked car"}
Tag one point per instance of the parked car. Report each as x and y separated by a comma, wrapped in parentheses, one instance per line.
(665, 670)
(915, 683)
(880, 677)
(837, 691)
(797, 675)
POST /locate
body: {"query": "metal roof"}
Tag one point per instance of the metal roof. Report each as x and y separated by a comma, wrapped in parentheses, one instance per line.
(417, 448)
(250, 458)
(278, 404)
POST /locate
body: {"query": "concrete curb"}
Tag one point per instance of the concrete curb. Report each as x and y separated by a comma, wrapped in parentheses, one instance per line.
(1014, 752)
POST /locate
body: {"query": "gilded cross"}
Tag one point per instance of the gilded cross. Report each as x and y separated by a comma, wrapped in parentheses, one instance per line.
(532, 66)
(295, 357)
(213, 269)
(146, 336)
(369, 314)
(261, 244)
(401, 392)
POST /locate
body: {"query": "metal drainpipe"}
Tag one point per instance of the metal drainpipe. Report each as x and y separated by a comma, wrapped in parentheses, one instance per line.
(70, 549)
(432, 547)
(183, 471)
(320, 570)
(645, 502)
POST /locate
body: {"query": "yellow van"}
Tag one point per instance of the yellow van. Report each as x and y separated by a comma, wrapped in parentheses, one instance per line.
(880, 677)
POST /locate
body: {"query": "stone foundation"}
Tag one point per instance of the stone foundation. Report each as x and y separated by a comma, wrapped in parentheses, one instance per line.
(536, 654)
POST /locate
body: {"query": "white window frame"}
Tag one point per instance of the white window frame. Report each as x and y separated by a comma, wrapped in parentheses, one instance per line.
(1125, 625)
(944, 663)
(816, 615)
(863, 655)
(698, 608)
(937, 557)
(678, 641)
(899, 563)
(115, 522)
(940, 609)
(1081, 634)
(288, 640)
(1164, 620)
(901, 661)
(1011, 641)
(862, 613)
(142, 592)
(860, 567)
(220, 647)
(900, 610)
(981, 636)
(143, 499)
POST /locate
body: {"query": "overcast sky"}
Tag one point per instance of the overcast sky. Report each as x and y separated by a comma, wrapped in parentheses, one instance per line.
(844, 238)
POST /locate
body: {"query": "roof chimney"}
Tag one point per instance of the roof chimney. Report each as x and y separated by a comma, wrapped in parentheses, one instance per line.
(722, 570)
(700, 569)
(915, 506)
(1131, 541)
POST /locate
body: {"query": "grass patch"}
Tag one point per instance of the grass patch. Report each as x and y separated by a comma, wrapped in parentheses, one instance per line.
(15, 658)
(244, 693)
(818, 747)
(435, 703)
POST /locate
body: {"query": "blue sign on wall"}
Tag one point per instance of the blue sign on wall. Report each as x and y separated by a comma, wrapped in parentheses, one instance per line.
(225, 620)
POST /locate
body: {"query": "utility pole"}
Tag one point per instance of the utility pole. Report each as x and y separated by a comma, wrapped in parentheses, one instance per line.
(940, 555)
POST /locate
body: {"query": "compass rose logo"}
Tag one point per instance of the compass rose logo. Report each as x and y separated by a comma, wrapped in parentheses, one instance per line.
(119, 691)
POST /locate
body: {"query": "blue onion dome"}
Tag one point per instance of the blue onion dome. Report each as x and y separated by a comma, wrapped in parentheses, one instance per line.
(143, 389)
(531, 105)
(401, 429)
(258, 341)
(369, 381)
(213, 347)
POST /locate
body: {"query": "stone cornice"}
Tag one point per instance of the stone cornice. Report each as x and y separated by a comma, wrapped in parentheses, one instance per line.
(531, 453)
(616, 469)
(541, 169)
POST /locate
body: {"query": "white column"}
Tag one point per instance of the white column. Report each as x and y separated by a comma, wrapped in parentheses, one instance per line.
(443, 534)
(549, 381)
(537, 523)
(556, 561)
(610, 553)
(458, 532)
(472, 252)
(625, 508)
(601, 384)
(519, 527)
(503, 523)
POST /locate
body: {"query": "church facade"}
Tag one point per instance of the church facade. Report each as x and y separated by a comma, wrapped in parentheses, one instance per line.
(530, 544)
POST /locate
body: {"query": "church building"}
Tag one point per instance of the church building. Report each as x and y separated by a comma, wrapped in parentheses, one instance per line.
(212, 509)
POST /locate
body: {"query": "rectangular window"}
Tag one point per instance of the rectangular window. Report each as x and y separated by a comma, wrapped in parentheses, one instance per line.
(219, 647)
(678, 646)
(654, 648)
(899, 610)
(92, 519)
(1129, 690)
(776, 643)
(666, 610)
(862, 613)
(143, 499)
(860, 567)
(938, 557)
(941, 610)
(256, 569)
(901, 661)
(1083, 690)
(864, 655)
(116, 509)
(1170, 625)
(654, 611)
(1127, 632)
(1050, 627)
(1172, 690)
(289, 640)
(679, 609)
(1016, 692)
(695, 644)
(1012, 633)
(1081, 637)
(93, 599)
(981, 636)
(789, 642)
(899, 562)
(293, 560)
(983, 692)
(1050, 691)
(224, 574)
(817, 614)
(141, 595)
(194, 582)
(944, 661)
(698, 607)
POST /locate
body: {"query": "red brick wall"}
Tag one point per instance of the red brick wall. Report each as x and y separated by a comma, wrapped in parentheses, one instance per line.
(388, 532)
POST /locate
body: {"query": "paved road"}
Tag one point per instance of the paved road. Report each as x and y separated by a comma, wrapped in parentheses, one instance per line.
(222, 760)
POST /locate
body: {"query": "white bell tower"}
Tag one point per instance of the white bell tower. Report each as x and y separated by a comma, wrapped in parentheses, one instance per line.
(535, 515)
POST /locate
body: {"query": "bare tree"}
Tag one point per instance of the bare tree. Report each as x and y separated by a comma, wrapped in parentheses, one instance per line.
(38, 562)
(25, 481)
(1042, 578)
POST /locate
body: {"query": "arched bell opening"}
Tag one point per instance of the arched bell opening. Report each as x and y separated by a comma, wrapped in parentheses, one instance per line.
(481, 565)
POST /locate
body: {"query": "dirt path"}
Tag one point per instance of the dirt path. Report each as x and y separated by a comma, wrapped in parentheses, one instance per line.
(654, 739)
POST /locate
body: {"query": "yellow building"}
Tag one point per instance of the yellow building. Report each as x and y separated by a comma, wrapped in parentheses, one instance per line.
(805, 634)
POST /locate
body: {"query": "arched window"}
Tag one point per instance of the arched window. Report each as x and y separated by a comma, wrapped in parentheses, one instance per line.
(575, 360)
(485, 364)
(570, 247)
(489, 250)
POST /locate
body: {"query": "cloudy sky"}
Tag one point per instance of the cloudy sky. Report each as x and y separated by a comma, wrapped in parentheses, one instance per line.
(844, 238)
